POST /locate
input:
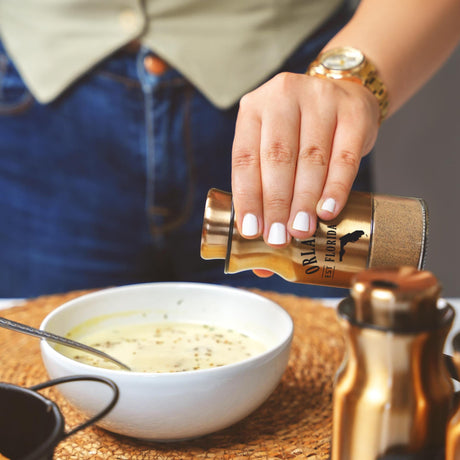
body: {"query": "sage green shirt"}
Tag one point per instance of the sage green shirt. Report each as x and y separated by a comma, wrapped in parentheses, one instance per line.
(224, 47)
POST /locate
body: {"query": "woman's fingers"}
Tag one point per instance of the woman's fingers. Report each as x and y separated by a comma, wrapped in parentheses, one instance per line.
(261, 273)
(354, 137)
(264, 161)
(246, 180)
(317, 130)
(298, 144)
(279, 146)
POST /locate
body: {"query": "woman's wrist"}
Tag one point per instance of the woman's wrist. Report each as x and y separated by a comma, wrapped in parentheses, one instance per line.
(348, 63)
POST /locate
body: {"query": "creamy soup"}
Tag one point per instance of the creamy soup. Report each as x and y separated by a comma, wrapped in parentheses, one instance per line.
(166, 347)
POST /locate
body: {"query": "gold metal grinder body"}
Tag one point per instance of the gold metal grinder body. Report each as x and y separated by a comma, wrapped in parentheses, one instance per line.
(393, 394)
(372, 230)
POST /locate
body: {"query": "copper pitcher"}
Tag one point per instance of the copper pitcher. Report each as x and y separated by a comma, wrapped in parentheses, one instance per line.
(393, 394)
(453, 428)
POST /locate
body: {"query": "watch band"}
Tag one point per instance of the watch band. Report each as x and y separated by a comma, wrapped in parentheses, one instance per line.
(364, 73)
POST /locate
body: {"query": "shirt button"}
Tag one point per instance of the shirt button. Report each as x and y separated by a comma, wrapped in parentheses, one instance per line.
(128, 20)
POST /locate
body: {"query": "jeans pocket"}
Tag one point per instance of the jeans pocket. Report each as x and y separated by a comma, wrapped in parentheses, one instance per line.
(15, 98)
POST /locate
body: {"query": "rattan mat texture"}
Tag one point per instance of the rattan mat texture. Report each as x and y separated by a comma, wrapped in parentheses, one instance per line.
(294, 423)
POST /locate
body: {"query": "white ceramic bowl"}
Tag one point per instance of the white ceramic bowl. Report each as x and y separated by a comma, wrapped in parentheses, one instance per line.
(181, 405)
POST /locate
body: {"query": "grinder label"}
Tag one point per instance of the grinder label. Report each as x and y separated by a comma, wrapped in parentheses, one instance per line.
(339, 248)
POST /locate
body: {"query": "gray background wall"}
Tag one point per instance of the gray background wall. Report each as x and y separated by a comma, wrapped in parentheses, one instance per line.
(418, 154)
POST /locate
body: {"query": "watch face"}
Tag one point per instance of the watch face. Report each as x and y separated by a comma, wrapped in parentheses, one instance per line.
(342, 59)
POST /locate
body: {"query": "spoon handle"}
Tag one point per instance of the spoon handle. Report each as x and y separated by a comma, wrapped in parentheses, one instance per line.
(19, 327)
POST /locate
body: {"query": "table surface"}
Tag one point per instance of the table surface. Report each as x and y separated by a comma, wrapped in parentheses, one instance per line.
(294, 423)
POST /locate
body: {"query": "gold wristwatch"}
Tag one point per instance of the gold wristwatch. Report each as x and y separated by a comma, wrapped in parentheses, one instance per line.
(347, 63)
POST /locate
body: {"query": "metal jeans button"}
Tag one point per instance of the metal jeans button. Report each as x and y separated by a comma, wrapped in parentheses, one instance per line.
(155, 65)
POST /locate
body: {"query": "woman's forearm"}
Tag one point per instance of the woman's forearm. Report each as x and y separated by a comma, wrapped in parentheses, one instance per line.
(407, 40)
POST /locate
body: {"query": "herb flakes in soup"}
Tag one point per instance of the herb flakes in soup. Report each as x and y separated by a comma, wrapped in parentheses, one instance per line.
(166, 346)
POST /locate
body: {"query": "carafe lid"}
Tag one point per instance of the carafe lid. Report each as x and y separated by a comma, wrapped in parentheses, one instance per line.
(397, 298)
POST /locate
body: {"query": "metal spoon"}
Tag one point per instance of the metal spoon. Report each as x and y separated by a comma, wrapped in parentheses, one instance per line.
(19, 327)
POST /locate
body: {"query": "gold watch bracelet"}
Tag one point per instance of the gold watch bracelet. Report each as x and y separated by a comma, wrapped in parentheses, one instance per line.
(366, 76)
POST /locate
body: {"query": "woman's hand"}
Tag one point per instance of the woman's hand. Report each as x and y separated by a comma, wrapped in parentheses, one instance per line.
(297, 148)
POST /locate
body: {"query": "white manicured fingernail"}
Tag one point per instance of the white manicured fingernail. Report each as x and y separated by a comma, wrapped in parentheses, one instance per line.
(328, 205)
(301, 221)
(250, 225)
(277, 234)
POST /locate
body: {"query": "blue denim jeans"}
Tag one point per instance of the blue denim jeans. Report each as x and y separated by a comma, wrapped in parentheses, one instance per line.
(107, 184)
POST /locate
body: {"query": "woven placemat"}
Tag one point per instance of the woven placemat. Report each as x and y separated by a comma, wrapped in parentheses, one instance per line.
(294, 423)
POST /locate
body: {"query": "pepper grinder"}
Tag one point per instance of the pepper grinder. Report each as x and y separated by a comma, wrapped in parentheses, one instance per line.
(372, 230)
(393, 394)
